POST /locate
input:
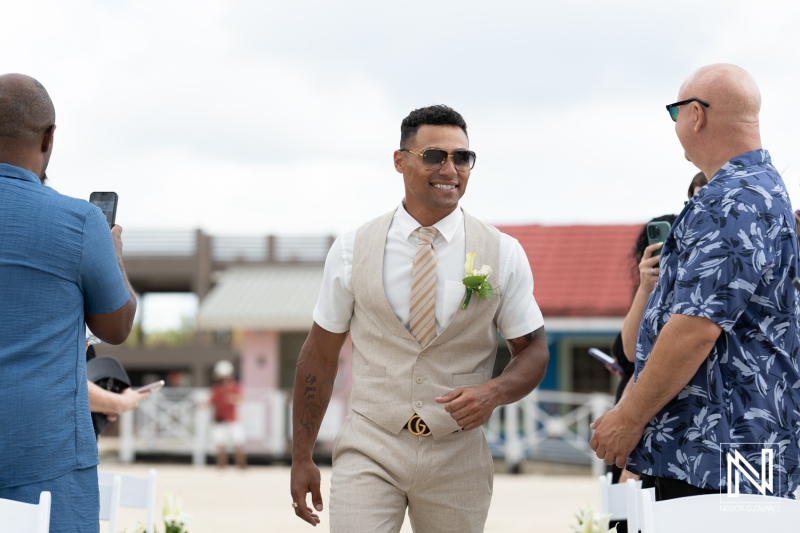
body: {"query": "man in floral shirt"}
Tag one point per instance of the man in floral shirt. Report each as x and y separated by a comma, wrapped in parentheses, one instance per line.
(717, 353)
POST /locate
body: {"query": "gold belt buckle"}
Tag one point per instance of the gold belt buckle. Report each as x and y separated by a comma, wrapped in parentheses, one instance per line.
(418, 427)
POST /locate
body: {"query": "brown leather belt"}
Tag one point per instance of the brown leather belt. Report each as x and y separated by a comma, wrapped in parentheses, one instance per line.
(418, 427)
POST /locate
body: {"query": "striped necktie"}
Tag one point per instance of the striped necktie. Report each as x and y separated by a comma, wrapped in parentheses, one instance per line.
(423, 288)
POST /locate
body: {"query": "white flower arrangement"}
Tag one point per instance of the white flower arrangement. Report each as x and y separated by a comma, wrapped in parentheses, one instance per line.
(175, 520)
(589, 522)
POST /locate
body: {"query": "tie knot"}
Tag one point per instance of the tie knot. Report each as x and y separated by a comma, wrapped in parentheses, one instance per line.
(427, 234)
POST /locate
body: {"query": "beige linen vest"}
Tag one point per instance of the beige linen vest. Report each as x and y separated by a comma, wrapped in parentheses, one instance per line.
(393, 377)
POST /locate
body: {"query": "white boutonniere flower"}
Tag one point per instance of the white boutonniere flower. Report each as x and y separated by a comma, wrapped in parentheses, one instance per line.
(475, 280)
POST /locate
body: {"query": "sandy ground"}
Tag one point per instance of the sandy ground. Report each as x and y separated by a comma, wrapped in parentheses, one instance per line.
(257, 499)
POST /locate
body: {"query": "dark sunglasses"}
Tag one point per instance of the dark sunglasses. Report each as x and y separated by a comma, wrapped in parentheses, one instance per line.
(672, 109)
(434, 158)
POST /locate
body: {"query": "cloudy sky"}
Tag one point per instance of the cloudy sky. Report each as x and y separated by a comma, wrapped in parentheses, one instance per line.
(247, 117)
(255, 117)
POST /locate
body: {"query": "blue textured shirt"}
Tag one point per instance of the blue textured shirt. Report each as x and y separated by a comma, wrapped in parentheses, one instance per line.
(56, 260)
(730, 257)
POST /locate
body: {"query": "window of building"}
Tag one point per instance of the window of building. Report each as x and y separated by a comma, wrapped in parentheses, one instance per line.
(588, 374)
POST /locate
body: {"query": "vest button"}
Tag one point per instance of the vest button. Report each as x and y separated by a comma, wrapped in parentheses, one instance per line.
(418, 403)
(419, 380)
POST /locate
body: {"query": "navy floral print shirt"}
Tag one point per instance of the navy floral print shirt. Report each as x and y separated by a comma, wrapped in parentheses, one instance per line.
(730, 257)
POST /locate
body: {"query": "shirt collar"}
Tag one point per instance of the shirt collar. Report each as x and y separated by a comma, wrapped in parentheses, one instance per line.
(743, 162)
(13, 172)
(446, 227)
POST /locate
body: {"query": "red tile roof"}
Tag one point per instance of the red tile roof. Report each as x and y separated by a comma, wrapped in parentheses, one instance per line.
(579, 270)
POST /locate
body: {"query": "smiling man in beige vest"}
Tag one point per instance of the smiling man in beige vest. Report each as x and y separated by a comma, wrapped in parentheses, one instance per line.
(422, 361)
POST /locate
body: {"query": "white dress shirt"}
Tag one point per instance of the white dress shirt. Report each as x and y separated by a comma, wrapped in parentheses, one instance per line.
(518, 315)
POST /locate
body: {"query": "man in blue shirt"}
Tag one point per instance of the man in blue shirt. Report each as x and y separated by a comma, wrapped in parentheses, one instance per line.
(60, 270)
(717, 352)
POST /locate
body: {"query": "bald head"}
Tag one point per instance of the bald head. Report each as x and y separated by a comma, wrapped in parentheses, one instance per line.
(729, 126)
(27, 123)
(731, 91)
(26, 110)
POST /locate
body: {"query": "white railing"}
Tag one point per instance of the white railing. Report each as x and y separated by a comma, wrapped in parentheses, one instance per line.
(546, 425)
(178, 421)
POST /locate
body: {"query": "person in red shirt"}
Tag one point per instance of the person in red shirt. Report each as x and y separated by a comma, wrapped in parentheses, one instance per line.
(227, 430)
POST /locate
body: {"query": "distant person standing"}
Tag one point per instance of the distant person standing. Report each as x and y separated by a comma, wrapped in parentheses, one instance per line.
(60, 270)
(226, 394)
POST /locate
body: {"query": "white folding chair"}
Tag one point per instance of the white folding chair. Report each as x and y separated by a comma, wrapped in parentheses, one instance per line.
(109, 499)
(633, 493)
(18, 517)
(138, 492)
(715, 512)
(614, 497)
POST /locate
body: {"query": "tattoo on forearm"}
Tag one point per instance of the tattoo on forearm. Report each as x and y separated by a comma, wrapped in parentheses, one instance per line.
(310, 389)
(315, 392)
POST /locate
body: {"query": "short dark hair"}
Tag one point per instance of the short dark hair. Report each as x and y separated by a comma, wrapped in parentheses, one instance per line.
(435, 115)
(25, 108)
(698, 180)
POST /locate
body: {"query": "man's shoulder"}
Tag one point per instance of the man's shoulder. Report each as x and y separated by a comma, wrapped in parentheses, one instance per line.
(476, 220)
(746, 195)
(61, 205)
(386, 217)
(45, 208)
(374, 228)
(76, 205)
(496, 233)
(754, 180)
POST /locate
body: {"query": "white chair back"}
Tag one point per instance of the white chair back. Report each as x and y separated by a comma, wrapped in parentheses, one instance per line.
(718, 512)
(109, 500)
(138, 492)
(18, 517)
(613, 497)
(633, 490)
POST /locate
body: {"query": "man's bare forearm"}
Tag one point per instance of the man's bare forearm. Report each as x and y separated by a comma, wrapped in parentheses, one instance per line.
(627, 390)
(682, 346)
(526, 369)
(630, 327)
(313, 386)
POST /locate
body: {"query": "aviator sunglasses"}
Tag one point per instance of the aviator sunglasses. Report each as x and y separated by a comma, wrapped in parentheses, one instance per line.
(672, 109)
(434, 158)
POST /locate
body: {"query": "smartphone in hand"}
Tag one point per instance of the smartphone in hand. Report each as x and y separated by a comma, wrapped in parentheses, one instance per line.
(605, 359)
(107, 202)
(151, 387)
(657, 232)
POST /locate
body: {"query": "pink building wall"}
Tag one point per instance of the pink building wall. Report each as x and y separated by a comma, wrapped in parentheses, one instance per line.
(260, 359)
(260, 363)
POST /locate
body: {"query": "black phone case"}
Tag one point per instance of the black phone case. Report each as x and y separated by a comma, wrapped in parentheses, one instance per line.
(101, 199)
